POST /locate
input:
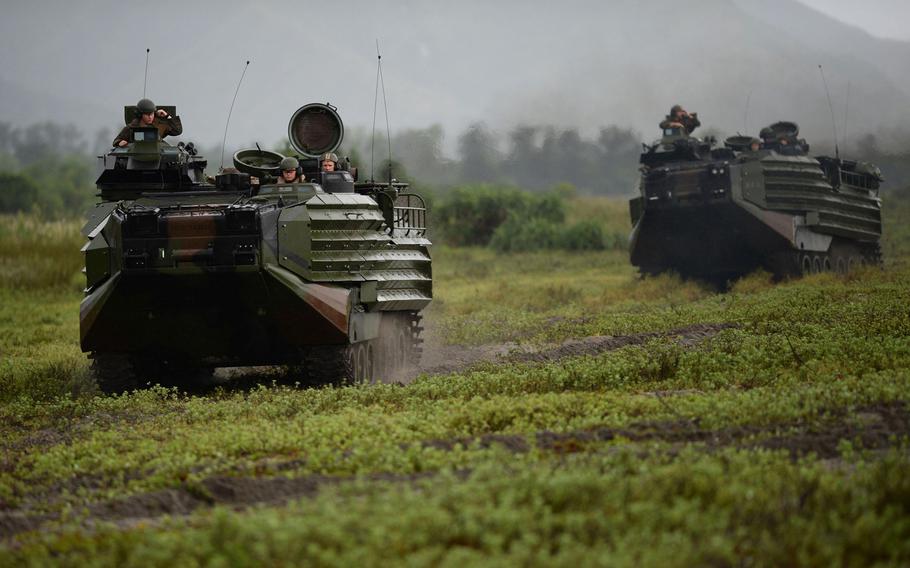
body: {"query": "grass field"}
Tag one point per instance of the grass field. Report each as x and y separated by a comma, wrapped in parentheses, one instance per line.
(767, 425)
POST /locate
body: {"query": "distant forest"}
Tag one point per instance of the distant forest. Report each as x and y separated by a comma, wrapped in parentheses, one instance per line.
(535, 158)
(50, 168)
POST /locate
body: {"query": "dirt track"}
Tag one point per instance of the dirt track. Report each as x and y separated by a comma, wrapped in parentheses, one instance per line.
(442, 359)
(445, 359)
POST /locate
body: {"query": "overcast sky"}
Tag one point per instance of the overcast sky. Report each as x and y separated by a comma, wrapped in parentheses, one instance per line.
(580, 64)
(881, 18)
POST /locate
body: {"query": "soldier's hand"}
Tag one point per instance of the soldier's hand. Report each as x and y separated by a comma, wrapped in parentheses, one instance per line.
(122, 143)
(161, 112)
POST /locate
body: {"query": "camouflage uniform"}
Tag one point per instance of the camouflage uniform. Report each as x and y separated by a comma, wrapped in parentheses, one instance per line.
(166, 127)
(298, 179)
(689, 122)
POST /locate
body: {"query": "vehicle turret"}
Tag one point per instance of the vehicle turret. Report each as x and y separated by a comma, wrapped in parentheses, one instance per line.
(147, 163)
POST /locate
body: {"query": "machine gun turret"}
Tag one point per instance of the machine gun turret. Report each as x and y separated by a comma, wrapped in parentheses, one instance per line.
(148, 164)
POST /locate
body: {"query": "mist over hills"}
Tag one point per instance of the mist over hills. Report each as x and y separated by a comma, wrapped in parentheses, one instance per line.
(577, 64)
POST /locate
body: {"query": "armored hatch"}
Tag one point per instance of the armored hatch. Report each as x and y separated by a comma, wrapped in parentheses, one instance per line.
(315, 129)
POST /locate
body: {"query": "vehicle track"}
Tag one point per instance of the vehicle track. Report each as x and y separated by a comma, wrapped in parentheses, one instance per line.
(446, 359)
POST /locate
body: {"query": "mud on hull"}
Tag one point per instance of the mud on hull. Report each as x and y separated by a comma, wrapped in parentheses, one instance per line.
(721, 241)
(136, 335)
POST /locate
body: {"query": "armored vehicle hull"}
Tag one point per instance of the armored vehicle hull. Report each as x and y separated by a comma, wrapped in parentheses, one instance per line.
(180, 281)
(718, 214)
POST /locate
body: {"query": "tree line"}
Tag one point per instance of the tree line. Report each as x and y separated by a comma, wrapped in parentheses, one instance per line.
(46, 168)
(531, 157)
(51, 168)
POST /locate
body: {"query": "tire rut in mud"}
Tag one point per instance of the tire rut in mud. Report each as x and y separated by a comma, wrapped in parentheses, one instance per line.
(871, 427)
(444, 360)
(236, 492)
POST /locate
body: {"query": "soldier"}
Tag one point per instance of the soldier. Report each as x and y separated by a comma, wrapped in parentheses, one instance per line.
(290, 171)
(769, 140)
(150, 115)
(680, 118)
(329, 161)
(782, 142)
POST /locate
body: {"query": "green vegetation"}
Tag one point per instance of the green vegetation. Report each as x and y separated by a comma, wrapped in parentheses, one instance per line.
(39, 254)
(896, 221)
(45, 168)
(777, 438)
(511, 220)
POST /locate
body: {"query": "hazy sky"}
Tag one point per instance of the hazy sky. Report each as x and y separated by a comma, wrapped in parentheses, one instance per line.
(881, 18)
(581, 63)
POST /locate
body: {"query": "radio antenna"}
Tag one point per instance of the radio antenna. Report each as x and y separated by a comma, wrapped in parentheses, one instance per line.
(380, 80)
(146, 80)
(831, 108)
(846, 110)
(375, 102)
(231, 110)
(746, 113)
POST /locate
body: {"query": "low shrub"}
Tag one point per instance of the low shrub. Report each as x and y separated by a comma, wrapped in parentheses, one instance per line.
(511, 220)
(518, 234)
(586, 235)
(524, 235)
(470, 215)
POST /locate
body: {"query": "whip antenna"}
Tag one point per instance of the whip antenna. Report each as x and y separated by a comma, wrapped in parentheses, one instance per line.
(746, 113)
(846, 109)
(831, 108)
(224, 140)
(146, 80)
(380, 80)
(375, 101)
(385, 104)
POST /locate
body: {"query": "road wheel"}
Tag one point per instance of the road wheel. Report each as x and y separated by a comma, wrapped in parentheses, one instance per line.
(370, 368)
(805, 265)
(364, 362)
(841, 265)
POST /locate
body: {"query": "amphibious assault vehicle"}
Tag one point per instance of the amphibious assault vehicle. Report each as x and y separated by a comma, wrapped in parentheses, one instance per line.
(717, 212)
(185, 273)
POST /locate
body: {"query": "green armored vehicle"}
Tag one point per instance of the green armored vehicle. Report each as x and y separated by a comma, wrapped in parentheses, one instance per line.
(717, 212)
(186, 273)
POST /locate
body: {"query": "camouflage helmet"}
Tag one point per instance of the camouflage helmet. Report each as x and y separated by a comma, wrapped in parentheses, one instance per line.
(145, 106)
(766, 133)
(289, 163)
(330, 157)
